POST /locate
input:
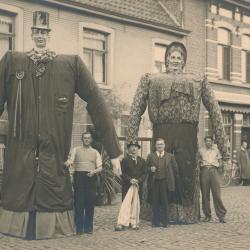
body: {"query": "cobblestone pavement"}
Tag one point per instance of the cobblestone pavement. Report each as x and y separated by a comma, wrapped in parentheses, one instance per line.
(233, 235)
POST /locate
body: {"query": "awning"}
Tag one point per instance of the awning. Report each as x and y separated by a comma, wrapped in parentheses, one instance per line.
(235, 108)
(234, 98)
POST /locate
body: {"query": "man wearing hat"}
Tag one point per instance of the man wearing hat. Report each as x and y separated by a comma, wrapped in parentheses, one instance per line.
(134, 169)
(39, 87)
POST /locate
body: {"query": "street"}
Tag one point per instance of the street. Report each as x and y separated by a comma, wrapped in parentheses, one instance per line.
(213, 235)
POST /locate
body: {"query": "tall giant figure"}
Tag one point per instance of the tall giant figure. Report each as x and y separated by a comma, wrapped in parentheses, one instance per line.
(39, 88)
(173, 99)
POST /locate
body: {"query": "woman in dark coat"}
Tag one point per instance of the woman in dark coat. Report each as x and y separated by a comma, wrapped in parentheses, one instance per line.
(133, 169)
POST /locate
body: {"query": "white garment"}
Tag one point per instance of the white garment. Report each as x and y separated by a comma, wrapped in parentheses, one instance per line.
(210, 156)
(130, 208)
(160, 154)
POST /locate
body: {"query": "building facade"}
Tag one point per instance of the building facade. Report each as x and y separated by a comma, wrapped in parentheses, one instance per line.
(228, 66)
(119, 42)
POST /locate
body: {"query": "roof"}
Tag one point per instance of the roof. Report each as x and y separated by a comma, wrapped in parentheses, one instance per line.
(240, 3)
(147, 10)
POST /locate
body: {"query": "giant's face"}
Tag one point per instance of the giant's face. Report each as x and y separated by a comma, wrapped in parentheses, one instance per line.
(40, 37)
(175, 61)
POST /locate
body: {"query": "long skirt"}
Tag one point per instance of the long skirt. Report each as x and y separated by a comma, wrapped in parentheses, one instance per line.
(181, 140)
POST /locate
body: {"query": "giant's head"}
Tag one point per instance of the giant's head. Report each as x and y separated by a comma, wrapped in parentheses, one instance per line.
(40, 29)
(175, 57)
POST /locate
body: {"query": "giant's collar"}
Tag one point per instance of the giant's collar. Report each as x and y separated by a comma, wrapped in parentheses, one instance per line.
(40, 59)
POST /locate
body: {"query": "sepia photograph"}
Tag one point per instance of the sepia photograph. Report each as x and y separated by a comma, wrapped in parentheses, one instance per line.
(124, 124)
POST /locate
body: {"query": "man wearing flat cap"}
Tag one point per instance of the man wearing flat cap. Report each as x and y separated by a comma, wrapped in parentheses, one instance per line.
(134, 169)
(39, 87)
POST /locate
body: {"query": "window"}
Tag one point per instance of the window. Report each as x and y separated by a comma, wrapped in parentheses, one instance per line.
(246, 58)
(6, 33)
(248, 66)
(96, 48)
(224, 53)
(159, 57)
(246, 120)
(2, 149)
(228, 126)
(95, 53)
(124, 125)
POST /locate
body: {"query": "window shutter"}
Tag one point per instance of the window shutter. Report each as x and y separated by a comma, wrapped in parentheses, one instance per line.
(248, 67)
(226, 62)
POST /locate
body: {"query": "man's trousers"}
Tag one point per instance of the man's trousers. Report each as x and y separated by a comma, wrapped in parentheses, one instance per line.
(84, 201)
(210, 180)
(159, 203)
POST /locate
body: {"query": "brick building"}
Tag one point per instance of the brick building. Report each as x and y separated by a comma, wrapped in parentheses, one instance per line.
(228, 65)
(121, 40)
(118, 40)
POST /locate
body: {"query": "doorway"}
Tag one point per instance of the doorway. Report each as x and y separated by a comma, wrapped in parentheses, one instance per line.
(245, 135)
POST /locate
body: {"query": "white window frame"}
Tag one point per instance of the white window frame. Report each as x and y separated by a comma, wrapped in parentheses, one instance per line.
(156, 41)
(18, 27)
(110, 43)
(219, 52)
(245, 50)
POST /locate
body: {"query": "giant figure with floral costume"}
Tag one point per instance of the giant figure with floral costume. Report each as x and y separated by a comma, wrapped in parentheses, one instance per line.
(173, 99)
(39, 87)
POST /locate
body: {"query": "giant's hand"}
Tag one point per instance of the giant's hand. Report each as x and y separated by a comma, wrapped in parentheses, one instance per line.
(116, 166)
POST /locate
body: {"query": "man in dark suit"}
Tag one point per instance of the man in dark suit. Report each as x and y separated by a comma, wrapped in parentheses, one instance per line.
(134, 169)
(162, 169)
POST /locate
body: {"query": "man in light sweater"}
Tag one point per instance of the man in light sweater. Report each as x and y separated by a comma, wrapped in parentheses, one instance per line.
(211, 166)
(86, 163)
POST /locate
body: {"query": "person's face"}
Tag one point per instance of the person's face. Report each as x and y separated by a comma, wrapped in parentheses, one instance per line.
(40, 38)
(244, 144)
(133, 149)
(175, 61)
(209, 143)
(86, 140)
(160, 146)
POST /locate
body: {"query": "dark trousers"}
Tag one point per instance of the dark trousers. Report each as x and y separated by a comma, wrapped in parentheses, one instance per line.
(159, 203)
(84, 201)
(31, 227)
(210, 180)
(245, 182)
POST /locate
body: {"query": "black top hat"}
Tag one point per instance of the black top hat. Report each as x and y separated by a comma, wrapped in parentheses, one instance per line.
(135, 143)
(41, 20)
(176, 46)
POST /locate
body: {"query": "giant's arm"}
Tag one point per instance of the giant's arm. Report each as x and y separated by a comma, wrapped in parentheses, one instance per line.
(88, 90)
(213, 108)
(138, 107)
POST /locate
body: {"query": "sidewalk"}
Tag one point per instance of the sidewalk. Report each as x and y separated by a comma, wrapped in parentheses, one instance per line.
(233, 235)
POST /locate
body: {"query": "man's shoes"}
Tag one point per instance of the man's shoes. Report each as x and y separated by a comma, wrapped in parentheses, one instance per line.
(222, 220)
(135, 227)
(119, 228)
(165, 226)
(156, 225)
(206, 219)
(79, 232)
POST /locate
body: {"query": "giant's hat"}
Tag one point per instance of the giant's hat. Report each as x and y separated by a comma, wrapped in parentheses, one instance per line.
(179, 47)
(41, 20)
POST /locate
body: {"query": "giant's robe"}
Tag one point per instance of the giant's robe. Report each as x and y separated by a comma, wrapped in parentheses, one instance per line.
(40, 93)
